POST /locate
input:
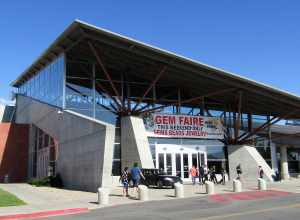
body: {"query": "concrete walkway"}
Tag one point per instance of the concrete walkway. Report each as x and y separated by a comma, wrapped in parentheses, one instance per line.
(46, 198)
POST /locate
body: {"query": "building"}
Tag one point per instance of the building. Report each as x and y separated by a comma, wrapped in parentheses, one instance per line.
(96, 102)
(292, 122)
(13, 146)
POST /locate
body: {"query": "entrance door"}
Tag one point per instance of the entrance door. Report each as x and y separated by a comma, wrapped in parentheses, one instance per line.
(186, 163)
(177, 160)
(201, 159)
(169, 164)
(178, 164)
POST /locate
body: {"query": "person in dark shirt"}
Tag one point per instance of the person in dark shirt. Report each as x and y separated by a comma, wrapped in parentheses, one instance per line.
(201, 175)
(206, 172)
(239, 171)
(213, 177)
(260, 172)
(223, 173)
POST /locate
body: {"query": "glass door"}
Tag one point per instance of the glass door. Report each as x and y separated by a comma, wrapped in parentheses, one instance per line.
(178, 160)
(195, 160)
(161, 162)
(185, 158)
(201, 159)
(178, 165)
(169, 163)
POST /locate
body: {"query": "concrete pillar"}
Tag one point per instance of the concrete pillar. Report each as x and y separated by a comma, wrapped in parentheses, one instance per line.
(143, 193)
(134, 143)
(237, 186)
(262, 185)
(284, 163)
(249, 159)
(103, 196)
(274, 160)
(179, 191)
(210, 187)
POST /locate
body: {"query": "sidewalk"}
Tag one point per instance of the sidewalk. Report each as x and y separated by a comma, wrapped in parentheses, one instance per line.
(40, 199)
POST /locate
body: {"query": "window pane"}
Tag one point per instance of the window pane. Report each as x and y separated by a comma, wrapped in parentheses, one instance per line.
(43, 86)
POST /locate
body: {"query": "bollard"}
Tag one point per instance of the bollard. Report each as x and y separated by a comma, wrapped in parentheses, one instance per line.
(143, 193)
(103, 196)
(210, 187)
(262, 184)
(6, 179)
(237, 186)
(179, 191)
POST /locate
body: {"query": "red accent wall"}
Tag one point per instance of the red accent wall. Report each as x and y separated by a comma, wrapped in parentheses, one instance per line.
(14, 151)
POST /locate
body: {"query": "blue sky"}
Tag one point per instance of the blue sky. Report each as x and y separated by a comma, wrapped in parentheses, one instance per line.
(253, 38)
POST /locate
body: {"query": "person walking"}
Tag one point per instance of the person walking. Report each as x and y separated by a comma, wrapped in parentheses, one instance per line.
(136, 175)
(125, 181)
(213, 177)
(223, 173)
(201, 175)
(206, 171)
(239, 171)
(260, 172)
(194, 174)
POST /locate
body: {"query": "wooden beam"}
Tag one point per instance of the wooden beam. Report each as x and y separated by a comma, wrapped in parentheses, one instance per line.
(249, 118)
(202, 107)
(107, 108)
(100, 62)
(149, 104)
(178, 107)
(257, 129)
(238, 119)
(208, 74)
(270, 122)
(150, 87)
(106, 92)
(191, 99)
(69, 47)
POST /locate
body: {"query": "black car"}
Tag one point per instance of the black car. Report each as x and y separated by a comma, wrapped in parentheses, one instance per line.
(154, 177)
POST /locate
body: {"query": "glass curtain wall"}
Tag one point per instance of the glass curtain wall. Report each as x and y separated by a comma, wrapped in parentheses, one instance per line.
(79, 88)
(83, 94)
(47, 84)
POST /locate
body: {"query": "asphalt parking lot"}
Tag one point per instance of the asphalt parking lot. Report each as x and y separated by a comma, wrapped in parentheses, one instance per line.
(266, 205)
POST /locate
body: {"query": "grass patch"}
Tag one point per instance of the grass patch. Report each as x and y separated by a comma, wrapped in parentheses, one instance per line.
(8, 199)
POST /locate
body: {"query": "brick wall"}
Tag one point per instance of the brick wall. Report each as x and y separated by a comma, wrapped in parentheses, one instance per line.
(14, 151)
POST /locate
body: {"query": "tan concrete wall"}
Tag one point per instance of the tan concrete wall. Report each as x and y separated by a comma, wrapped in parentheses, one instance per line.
(134, 143)
(250, 159)
(85, 146)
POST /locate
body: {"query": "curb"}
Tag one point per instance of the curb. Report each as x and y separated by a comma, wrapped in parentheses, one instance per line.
(44, 214)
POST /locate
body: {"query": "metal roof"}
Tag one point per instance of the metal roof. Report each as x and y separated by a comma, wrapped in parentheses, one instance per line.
(208, 77)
